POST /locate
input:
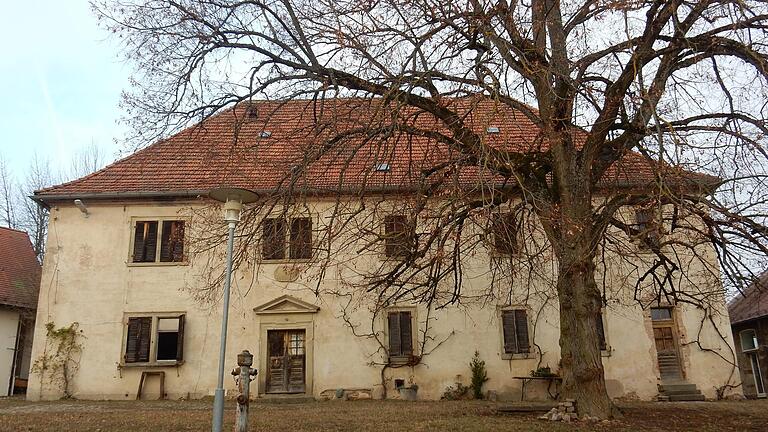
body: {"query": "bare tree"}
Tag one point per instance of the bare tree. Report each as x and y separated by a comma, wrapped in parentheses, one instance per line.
(668, 88)
(7, 195)
(33, 218)
(87, 160)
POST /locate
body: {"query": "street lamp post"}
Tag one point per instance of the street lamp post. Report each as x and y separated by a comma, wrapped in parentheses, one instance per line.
(233, 199)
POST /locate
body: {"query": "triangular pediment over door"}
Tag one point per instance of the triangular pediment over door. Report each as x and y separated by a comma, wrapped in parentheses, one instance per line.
(286, 305)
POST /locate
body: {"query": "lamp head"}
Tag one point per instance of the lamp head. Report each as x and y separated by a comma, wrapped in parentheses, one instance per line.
(233, 199)
(232, 209)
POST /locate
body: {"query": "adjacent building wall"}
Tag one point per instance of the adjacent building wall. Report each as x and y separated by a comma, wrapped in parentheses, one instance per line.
(760, 326)
(87, 279)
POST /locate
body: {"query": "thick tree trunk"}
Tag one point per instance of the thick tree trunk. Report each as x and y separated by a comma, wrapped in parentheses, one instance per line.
(581, 362)
(570, 224)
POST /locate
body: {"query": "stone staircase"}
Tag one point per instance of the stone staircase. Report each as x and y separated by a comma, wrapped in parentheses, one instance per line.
(679, 391)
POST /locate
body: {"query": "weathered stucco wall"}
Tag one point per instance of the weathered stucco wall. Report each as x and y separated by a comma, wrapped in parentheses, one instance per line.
(87, 279)
(9, 327)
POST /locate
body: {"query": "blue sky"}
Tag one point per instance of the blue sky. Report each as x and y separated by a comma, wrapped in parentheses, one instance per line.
(60, 83)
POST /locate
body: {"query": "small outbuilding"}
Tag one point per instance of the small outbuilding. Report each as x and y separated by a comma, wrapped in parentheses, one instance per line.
(19, 287)
(749, 322)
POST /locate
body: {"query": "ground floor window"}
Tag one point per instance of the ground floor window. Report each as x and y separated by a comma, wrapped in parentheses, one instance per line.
(400, 334)
(514, 324)
(154, 338)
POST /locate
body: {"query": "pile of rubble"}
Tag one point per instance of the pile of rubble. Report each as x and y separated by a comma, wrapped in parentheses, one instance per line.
(347, 394)
(564, 411)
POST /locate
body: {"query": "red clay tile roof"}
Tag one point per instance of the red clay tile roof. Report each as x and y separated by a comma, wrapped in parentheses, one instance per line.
(259, 154)
(19, 270)
(752, 304)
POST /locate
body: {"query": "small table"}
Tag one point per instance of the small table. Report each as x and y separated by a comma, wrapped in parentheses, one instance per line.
(549, 379)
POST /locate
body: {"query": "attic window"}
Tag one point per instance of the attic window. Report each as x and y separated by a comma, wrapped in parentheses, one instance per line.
(493, 129)
(382, 167)
(265, 134)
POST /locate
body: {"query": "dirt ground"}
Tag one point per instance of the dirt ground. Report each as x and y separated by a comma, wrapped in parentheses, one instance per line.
(394, 416)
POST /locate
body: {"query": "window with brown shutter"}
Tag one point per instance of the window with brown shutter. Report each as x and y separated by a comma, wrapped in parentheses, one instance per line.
(396, 236)
(290, 239)
(400, 334)
(301, 238)
(273, 238)
(505, 233)
(145, 241)
(137, 343)
(172, 241)
(152, 339)
(146, 248)
(515, 330)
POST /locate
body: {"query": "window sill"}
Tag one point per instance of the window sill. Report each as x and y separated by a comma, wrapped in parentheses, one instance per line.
(157, 264)
(520, 356)
(498, 255)
(286, 261)
(398, 258)
(157, 364)
(645, 249)
(405, 360)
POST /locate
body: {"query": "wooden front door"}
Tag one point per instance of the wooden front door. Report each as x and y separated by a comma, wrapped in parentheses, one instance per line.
(664, 336)
(287, 361)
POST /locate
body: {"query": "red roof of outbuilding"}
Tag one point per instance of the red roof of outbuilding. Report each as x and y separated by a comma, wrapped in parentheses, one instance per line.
(19, 270)
(752, 304)
(260, 154)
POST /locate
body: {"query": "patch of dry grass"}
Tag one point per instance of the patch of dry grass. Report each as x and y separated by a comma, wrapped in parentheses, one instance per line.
(364, 416)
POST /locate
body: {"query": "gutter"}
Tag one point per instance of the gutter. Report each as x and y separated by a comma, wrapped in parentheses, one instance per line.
(707, 185)
(45, 200)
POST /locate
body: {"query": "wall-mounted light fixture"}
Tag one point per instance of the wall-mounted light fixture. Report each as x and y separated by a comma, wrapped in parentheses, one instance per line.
(80, 205)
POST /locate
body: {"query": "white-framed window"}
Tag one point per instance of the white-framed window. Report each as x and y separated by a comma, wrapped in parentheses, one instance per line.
(153, 339)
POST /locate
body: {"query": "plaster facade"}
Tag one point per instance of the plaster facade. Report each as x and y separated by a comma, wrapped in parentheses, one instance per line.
(87, 278)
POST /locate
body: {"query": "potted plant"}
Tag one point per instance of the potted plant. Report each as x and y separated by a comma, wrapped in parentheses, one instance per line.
(545, 372)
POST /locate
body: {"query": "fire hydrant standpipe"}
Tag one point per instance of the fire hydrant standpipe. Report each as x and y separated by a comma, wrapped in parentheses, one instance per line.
(243, 376)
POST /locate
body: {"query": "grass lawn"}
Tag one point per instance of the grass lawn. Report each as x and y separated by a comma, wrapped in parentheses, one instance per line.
(378, 416)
